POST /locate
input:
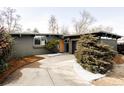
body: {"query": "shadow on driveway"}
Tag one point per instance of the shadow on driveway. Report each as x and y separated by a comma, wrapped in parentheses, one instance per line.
(17, 74)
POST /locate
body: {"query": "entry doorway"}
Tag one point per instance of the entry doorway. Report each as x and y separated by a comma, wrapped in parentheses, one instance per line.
(66, 47)
(74, 46)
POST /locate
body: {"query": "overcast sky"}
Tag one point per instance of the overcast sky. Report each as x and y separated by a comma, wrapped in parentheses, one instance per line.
(38, 17)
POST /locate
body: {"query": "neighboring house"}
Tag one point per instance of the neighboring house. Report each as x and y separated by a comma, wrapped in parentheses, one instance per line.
(70, 41)
(33, 44)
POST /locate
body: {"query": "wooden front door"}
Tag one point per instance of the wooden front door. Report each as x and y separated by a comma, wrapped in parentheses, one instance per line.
(61, 46)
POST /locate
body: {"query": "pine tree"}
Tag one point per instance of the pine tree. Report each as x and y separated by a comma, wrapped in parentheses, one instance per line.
(93, 55)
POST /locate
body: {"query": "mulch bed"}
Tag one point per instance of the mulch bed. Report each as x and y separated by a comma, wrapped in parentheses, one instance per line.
(116, 76)
(119, 59)
(16, 64)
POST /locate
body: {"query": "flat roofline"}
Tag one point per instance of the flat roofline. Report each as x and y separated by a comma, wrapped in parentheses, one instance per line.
(34, 34)
(101, 33)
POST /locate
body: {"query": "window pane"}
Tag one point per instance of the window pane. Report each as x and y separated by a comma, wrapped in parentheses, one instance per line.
(43, 43)
(37, 41)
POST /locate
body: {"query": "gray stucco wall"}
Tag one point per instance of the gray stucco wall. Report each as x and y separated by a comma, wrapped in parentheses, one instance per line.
(23, 46)
(111, 42)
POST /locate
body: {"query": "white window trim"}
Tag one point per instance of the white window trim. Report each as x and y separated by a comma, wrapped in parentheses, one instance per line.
(41, 38)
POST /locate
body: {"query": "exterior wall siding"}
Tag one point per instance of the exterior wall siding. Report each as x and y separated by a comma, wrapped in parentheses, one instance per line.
(23, 46)
(111, 42)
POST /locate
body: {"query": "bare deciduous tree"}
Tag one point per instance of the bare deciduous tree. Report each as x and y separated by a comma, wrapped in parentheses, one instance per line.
(102, 28)
(28, 30)
(35, 30)
(83, 23)
(10, 20)
(64, 30)
(53, 25)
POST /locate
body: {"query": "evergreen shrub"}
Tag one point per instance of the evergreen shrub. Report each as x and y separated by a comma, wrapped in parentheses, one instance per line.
(94, 56)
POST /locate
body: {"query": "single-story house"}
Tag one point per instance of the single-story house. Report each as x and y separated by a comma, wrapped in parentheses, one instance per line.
(31, 44)
(70, 41)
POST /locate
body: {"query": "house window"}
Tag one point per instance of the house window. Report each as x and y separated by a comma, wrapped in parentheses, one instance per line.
(39, 41)
(43, 41)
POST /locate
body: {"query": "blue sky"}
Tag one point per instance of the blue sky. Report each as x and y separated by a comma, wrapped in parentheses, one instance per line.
(38, 17)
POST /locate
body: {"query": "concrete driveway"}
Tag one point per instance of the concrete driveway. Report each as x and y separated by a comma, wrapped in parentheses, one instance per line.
(53, 70)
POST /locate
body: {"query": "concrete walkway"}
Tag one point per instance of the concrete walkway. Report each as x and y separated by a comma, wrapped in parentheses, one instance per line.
(53, 70)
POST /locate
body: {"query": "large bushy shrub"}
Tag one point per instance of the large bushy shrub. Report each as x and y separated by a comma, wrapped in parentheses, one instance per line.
(5, 48)
(52, 45)
(94, 56)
